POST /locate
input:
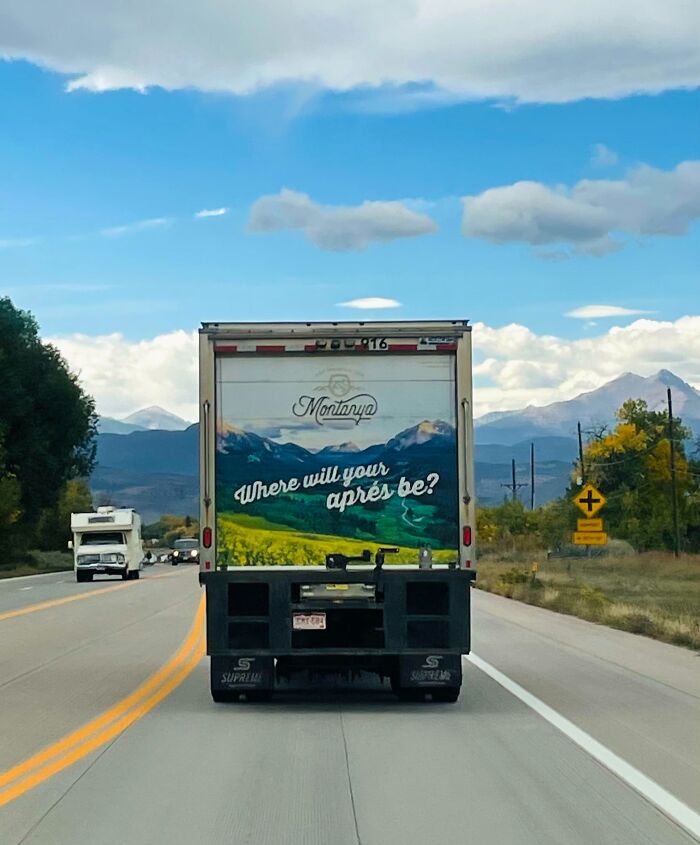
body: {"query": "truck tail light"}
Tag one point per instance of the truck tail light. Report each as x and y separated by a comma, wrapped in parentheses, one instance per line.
(466, 535)
(206, 537)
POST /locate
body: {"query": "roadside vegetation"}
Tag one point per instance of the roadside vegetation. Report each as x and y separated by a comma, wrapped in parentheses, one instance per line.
(37, 563)
(635, 583)
(653, 593)
(47, 446)
(170, 528)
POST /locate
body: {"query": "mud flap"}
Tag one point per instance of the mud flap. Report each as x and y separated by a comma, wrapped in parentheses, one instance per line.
(242, 673)
(430, 670)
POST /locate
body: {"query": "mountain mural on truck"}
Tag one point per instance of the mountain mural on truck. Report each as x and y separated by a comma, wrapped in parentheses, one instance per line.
(399, 493)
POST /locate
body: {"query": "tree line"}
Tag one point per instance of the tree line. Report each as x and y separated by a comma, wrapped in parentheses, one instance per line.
(48, 425)
(631, 465)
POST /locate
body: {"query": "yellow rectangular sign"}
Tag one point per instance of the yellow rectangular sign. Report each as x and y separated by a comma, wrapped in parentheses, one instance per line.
(590, 538)
(589, 524)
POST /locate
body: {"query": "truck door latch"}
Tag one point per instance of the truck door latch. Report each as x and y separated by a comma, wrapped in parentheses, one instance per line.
(379, 557)
(338, 561)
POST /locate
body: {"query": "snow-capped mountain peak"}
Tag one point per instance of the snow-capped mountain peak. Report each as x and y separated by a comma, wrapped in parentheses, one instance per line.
(155, 417)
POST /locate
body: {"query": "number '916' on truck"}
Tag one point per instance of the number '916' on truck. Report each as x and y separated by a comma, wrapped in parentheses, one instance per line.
(337, 518)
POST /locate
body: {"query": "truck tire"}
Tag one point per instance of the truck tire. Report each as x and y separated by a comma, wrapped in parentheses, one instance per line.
(409, 694)
(405, 693)
(136, 574)
(439, 695)
(125, 575)
(222, 696)
(258, 696)
(445, 695)
(80, 577)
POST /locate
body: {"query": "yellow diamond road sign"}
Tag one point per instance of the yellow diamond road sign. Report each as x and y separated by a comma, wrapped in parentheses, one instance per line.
(589, 500)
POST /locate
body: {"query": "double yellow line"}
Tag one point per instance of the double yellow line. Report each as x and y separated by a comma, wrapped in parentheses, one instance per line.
(81, 742)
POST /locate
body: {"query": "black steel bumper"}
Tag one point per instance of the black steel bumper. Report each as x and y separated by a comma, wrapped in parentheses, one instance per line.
(408, 611)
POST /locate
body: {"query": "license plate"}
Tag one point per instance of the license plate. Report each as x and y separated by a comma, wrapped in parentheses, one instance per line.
(309, 621)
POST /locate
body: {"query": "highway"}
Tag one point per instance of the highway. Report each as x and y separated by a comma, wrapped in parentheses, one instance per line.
(108, 734)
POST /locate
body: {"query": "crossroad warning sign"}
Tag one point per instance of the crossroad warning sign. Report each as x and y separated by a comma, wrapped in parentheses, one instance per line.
(589, 500)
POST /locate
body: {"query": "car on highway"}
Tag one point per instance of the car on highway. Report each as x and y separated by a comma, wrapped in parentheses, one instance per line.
(184, 551)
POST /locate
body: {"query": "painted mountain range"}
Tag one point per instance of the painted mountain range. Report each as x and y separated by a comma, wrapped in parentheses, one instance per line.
(244, 456)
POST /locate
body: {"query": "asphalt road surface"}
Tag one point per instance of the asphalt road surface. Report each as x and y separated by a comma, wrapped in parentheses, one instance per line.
(108, 734)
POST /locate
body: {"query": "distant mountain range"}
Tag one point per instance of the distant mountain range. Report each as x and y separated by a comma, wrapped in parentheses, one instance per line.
(153, 418)
(155, 470)
(596, 407)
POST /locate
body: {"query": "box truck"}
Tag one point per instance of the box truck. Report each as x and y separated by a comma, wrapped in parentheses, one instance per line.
(337, 512)
(106, 542)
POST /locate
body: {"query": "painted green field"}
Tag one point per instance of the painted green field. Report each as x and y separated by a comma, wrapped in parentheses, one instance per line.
(253, 541)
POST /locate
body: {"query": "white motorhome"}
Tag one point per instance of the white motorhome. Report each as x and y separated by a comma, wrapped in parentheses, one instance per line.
(107, 542)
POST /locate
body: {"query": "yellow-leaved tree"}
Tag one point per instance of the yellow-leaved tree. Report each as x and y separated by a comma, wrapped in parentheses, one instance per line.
(631, 465)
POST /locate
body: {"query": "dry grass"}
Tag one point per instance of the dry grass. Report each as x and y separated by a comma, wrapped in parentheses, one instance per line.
(652, 594)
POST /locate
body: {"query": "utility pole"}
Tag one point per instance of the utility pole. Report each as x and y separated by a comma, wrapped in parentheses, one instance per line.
(532, 476)
(674, 487)
(580, 454)
(514, 486)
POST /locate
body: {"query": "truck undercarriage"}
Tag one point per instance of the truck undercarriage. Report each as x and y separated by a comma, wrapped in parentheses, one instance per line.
(402, 623)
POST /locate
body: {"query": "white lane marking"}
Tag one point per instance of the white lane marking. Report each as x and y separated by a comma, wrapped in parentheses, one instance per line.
(13, 580)
(681, 813)
(22, 589)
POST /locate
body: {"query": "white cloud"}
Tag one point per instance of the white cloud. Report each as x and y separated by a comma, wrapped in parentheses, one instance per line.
(518, 367)
(338, 228)
(211, 212)
(603, 156)
(371, 302)
(125, 375)
(139, 226)
(522, 368)
(542, 50)
(646, 202)
(589, 312)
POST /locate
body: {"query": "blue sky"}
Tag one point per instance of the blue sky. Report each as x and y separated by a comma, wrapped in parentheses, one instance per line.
(76, 163)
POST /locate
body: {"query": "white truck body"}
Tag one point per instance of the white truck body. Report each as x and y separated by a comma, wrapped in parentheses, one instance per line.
(359, 433)
(336, 509)
(107, 542)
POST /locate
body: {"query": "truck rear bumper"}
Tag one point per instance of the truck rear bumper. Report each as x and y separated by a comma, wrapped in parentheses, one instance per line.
(404, 610)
